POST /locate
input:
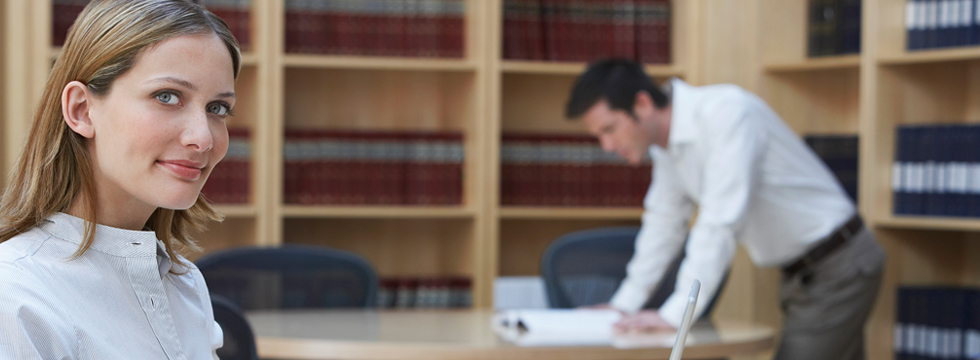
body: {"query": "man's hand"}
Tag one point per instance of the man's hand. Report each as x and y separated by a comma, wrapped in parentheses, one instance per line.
(643, 321)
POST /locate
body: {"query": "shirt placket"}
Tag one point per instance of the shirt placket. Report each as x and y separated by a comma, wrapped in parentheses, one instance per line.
(145, 279)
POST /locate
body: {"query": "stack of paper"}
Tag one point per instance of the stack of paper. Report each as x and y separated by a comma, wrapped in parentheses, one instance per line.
(557, 327)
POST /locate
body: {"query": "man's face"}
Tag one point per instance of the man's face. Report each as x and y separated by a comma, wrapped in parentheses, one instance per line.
(618, 132)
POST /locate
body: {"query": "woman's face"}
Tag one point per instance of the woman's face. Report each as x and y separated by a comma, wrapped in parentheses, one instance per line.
(161, 128)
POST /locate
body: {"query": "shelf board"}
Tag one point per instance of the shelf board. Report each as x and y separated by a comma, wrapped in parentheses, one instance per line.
(377, 63)
(574, 68)
(931, 56)
(236, 211)
(928, 223)
(248, 58)
(569, 213)
(380, 212)
(822, 63)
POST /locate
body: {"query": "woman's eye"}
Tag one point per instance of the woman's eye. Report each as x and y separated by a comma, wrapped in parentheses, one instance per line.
(218, 109)
(167, 98)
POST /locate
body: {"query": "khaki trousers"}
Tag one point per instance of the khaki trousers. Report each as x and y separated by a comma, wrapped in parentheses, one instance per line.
(826, 306)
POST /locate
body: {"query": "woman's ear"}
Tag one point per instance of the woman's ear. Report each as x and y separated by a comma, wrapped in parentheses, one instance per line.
(76, 103)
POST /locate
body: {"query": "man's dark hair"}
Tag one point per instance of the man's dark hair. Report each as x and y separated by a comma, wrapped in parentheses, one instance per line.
(615, 80)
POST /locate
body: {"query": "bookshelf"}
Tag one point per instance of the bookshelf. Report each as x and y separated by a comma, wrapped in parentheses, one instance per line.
(529, 97)
(870, 95)
(920, 87)
(480, 95)
(757, 44)
(344, 92)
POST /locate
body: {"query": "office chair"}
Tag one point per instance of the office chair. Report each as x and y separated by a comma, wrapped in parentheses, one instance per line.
(239, 340)
(290, 276)
(586, 267)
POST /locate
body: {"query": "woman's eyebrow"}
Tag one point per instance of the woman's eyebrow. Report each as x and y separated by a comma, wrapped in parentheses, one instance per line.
(175, 80)
(189, 85)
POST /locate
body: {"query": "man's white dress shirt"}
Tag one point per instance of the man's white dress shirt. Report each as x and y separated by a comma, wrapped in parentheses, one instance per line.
(754, 182)
(117, 301)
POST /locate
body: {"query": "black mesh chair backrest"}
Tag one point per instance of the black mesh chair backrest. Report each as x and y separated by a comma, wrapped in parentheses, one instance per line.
(291, 276)
(239, 340)
(586, 267)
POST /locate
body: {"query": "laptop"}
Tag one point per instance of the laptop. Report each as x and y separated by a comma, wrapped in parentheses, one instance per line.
(692, 300)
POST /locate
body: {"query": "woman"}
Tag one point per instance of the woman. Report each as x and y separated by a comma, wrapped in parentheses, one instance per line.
(130, 125)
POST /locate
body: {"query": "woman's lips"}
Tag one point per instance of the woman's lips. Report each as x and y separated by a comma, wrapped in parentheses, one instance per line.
(187, 170)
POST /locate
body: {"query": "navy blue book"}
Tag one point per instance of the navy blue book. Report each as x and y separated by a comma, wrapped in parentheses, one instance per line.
(918, 143)
(959, 195)
(899, 177)
(932, 24)
(964, 21)
(902, 339)
(851, 22)
(944, 25)
(975, 24)
(971, 341)
(912, 26)
(938, 160)
(973, 159)
(840, 154)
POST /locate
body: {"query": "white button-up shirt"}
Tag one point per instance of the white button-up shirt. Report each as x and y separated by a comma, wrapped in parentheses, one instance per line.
(117, 301)
(753, 181)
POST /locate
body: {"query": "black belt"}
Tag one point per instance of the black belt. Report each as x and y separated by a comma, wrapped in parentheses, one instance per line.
(826, 247)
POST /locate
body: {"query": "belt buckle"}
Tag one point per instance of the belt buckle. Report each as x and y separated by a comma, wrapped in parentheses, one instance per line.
(807, 263)
(846, 232)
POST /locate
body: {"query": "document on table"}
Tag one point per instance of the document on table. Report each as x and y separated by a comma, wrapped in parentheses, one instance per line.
(557, 327)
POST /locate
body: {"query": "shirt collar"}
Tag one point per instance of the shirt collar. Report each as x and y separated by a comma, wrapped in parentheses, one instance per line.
(110, 240)
(682, 106)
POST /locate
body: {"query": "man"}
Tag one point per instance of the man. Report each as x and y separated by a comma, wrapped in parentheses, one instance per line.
(755, 182)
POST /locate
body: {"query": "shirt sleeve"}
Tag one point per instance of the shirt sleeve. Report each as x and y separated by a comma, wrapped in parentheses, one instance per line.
(32, 325)
(661, 236)
(734, 141)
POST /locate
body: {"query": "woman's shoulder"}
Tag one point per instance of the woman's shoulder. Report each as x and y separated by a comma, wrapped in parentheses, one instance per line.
(22, 246)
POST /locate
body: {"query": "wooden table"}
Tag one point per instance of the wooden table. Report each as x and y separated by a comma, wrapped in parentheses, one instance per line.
(469, 334)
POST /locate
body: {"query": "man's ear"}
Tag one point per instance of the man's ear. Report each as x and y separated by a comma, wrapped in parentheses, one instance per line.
(642, 104)
(76, 104)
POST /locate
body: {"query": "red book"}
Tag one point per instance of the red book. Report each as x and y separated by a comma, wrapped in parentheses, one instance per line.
(347, 31)
(229, 181)
(292, 28)
(549, 25)
(654, 31)
(455, 33)
(514, 23)
(63, 15)
(624, 29)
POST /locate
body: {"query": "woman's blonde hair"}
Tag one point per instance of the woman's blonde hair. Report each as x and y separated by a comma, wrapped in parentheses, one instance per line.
(55, 169)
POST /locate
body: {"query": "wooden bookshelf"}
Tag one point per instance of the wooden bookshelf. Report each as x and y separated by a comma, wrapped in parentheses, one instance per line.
(758, 44)
(934, 223)
(379, 212)
(565, 213)
(377, 63)
(815, 64)
(932, 56)
(918, 87)
(237, 211)
(573, 69)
